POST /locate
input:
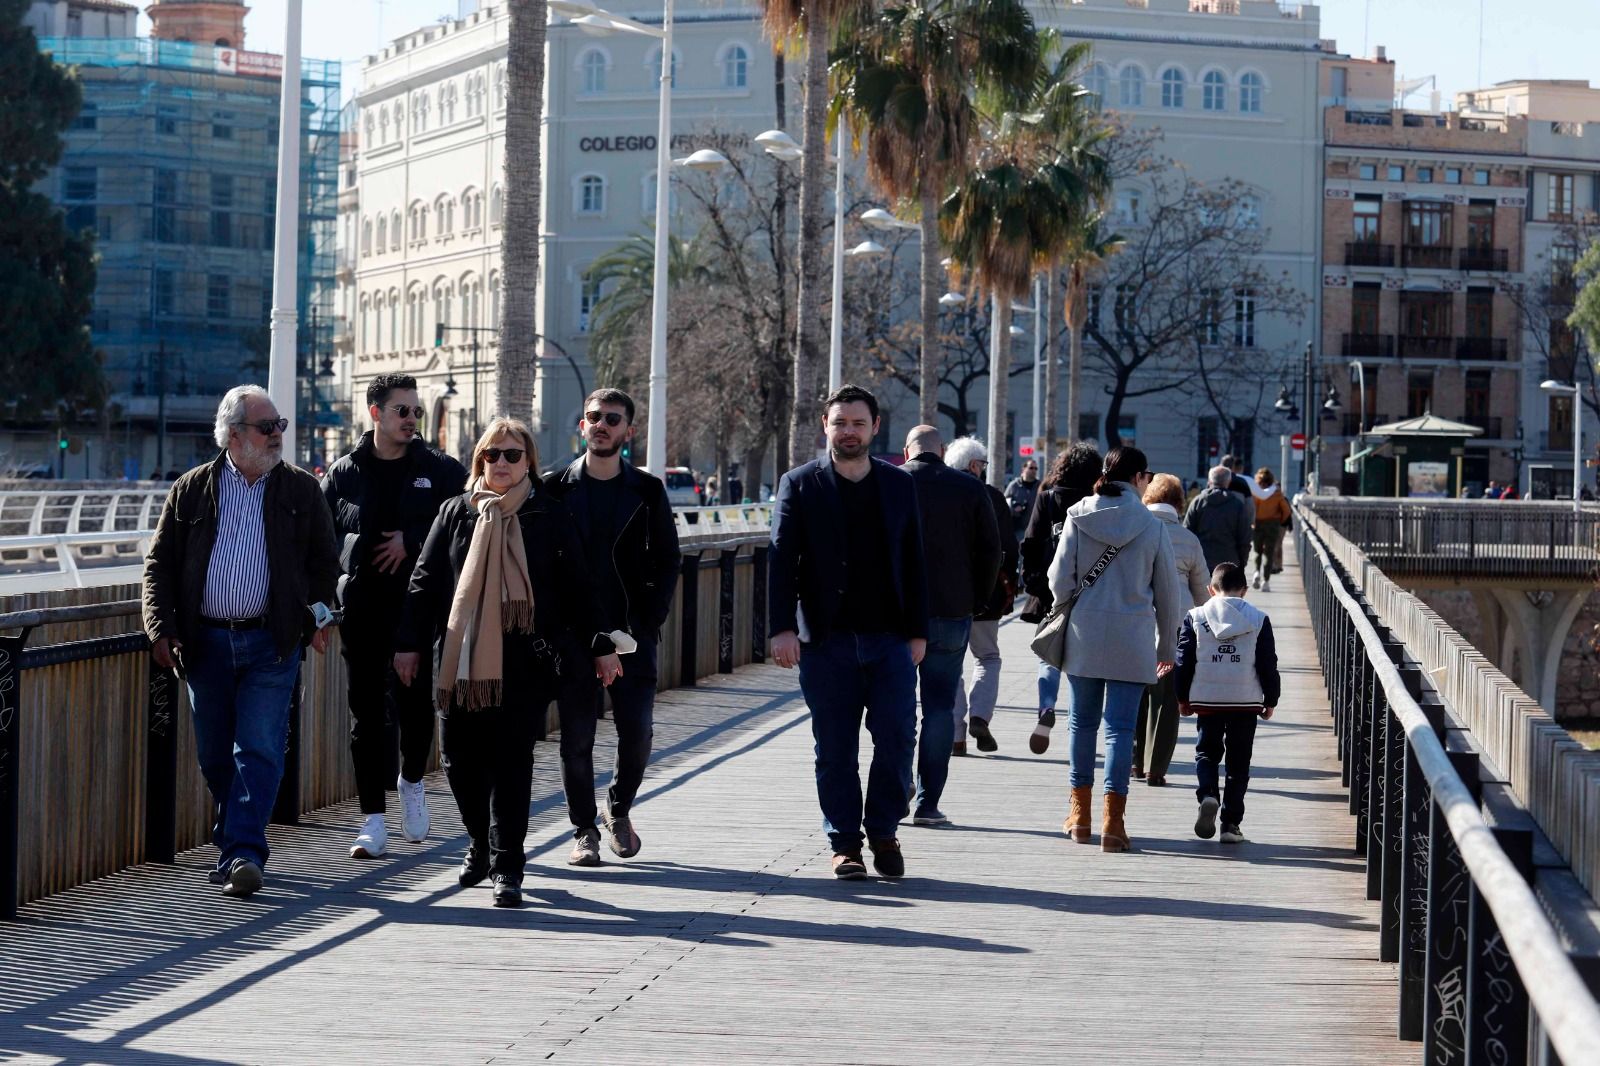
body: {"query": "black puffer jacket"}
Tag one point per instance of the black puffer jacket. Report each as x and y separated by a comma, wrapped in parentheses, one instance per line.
(1039, 546)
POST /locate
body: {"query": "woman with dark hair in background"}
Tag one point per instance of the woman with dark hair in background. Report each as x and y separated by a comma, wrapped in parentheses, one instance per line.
(1123, 633)
(502, 592)
(1071, 478)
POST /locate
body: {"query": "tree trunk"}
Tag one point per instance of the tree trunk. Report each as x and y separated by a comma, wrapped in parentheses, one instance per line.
(999, 382)
(932, 289)
(1052, 369)
(804, 417)
(514, 366)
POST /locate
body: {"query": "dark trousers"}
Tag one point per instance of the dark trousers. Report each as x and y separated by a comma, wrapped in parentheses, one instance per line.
(841, 675)
(940, 674)
(378, 701)
(633, 700)
(488, 760)
(1155, 737)
(1225, 736)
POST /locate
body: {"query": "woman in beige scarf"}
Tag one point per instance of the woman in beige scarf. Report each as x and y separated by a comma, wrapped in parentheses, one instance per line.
(502, 591)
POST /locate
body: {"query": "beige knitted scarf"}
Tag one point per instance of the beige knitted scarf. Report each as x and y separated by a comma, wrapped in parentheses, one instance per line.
(493, 596)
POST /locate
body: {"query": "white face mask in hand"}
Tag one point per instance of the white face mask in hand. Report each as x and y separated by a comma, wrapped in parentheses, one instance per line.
(624, 642)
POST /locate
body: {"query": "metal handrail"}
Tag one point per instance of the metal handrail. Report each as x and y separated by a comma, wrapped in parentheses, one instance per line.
(1565, 1007)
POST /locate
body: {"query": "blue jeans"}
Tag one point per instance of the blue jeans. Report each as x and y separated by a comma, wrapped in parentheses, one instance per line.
(840, 675)
(1094, 698)
(940, 673)
(239, 691)
(1049, 685)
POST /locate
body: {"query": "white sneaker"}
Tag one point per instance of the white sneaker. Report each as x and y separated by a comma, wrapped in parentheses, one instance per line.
(372, 841)
(413, 808)
(1255, 582)
(1266, 586)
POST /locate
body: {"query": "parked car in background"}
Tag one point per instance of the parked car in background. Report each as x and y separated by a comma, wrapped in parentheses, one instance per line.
(682, 489)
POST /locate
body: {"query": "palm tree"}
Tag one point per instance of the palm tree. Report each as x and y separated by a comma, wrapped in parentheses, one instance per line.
(625, 276)
(817, 20)
(1038, 172)
(903, 79)
(525, 41)
(1087, 249)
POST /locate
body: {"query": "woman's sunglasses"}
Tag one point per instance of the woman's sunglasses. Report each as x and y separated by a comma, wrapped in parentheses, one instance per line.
(492, 455)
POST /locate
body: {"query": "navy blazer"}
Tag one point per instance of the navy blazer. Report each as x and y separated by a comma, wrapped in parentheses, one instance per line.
(806, 575)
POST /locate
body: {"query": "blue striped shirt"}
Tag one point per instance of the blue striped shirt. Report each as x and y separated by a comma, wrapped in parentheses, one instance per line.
(236, 576)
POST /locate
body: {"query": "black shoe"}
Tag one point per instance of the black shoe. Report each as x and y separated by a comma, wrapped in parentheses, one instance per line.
(1039, 741)
(1205, 826)
(507, 893)
(475, 867)
(887, 858)
(980, 732)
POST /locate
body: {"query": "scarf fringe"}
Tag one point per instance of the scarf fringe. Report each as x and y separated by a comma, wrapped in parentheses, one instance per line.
(517, 616)
(472, 695)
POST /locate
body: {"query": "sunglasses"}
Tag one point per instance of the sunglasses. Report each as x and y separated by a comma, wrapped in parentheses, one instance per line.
(613, 419)
(513, 455)
(267, 426)
(402, 410)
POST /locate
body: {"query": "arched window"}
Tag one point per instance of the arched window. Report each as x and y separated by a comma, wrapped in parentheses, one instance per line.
(1214, 91)
(1130, 87)
(372, 128)
(422, 223)
(394, 318)
(497, 206)
(477, 210)
(1250, 86)
(591, 195)
(447, 103)
(500, 87)
(383, 125)
(415, 218)
(1172, 85)
(593, 65)
(361, 333)
(471, 219)
(443, 217)
(383, 232)
(654, 66)
(1097, 81)
(588, 296)
(494, 301)
(735, 67)
(394, 230)
(471, 300)
(441, 304)
(378, 304)
(419, 112)
(366, 236)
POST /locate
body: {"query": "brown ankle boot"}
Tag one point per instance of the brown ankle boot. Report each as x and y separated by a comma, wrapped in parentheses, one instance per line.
(1079, 814)
(1113, 834)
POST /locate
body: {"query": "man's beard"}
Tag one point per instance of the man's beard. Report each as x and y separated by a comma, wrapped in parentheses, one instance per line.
(604, 453)
(260, 457)
(848, 451)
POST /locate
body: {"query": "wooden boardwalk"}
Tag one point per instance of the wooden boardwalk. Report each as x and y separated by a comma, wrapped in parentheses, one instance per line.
(727, 940)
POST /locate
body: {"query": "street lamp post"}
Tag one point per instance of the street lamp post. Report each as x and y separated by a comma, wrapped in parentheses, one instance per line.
(1038, 357)
(1359, 443)
(285, 249)
(1562, 388)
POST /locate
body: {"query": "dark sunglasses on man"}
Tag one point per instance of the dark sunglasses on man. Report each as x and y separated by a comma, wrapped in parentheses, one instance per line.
(513, 455)
(267, 426)
(402, 410)
(613, 419)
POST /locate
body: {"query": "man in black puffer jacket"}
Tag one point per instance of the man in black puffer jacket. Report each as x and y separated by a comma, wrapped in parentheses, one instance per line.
(384, 495)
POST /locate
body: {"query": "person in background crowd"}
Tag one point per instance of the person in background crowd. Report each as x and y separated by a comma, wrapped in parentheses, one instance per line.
(1227, 675)
(625, 522)
(975, 709)
(848, 604)
(735, 488)
(1122, 635)
(1237, 481)
(961, 546)
(242, 557)
(1272, 518)
(1155, 736)
(1222, 520)
(1072, 478)
(1492, 490)
(384, 495)
(503, 594)
(1020, 493)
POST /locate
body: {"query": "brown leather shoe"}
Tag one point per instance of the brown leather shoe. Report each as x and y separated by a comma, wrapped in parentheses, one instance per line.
(1078, 814)
(1156, 780)
(958, 748)
(847, 866)
(1113, 834)
(887, 858)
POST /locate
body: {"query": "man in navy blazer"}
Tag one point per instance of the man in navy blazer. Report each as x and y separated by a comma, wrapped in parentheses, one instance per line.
(848, 604)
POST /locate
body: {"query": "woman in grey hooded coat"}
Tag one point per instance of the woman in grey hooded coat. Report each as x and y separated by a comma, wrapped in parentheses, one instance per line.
(1122, 635)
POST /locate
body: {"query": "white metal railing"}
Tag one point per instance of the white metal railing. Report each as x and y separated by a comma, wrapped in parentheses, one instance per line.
(51, 562)
(699, 523)
(46, 511)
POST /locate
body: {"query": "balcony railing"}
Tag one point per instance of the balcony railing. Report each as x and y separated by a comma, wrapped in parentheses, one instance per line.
(1493, 259)
(1427, 256)
(1491, 425)
(1370, 345)
(1426, 347)
(1368, 254)
(1555, 440)
(1495, 348)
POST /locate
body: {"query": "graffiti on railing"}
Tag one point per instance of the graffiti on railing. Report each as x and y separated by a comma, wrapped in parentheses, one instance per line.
(1499, 973)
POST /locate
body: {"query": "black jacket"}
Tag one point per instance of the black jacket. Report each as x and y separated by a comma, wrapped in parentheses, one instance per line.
(1039, 546)
(960, 541)
(1005, 583)
(566, 607)
(433, 478)
(302, 562)
(646, 555)
(1019, 495)
(1223, 522)
(806, 572)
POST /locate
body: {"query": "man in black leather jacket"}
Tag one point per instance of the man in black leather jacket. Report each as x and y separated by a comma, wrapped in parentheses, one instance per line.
(626, 524)
(384, 495)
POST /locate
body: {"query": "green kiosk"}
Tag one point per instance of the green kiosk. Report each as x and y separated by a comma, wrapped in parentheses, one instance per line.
(1418, 457)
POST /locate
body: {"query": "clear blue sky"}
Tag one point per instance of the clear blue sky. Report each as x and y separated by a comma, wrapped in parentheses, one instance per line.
(1521, 38)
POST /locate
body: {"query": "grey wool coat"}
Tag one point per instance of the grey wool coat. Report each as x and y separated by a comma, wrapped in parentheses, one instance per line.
(1128, 620)
(1193, 574)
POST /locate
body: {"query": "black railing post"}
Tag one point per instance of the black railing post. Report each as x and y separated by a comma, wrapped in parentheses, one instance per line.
(1497, 1002)
(1416, 862)
(758, 604)
(1377, 710)
(286, 811)
(10, 767)
(1444, 1015)
(161, 767)
(689, 630)
(725, 601)
(1394, 836)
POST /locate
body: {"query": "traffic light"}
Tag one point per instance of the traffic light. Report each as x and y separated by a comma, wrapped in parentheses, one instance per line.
(438, 334)
(61, 439)
(627, 451)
